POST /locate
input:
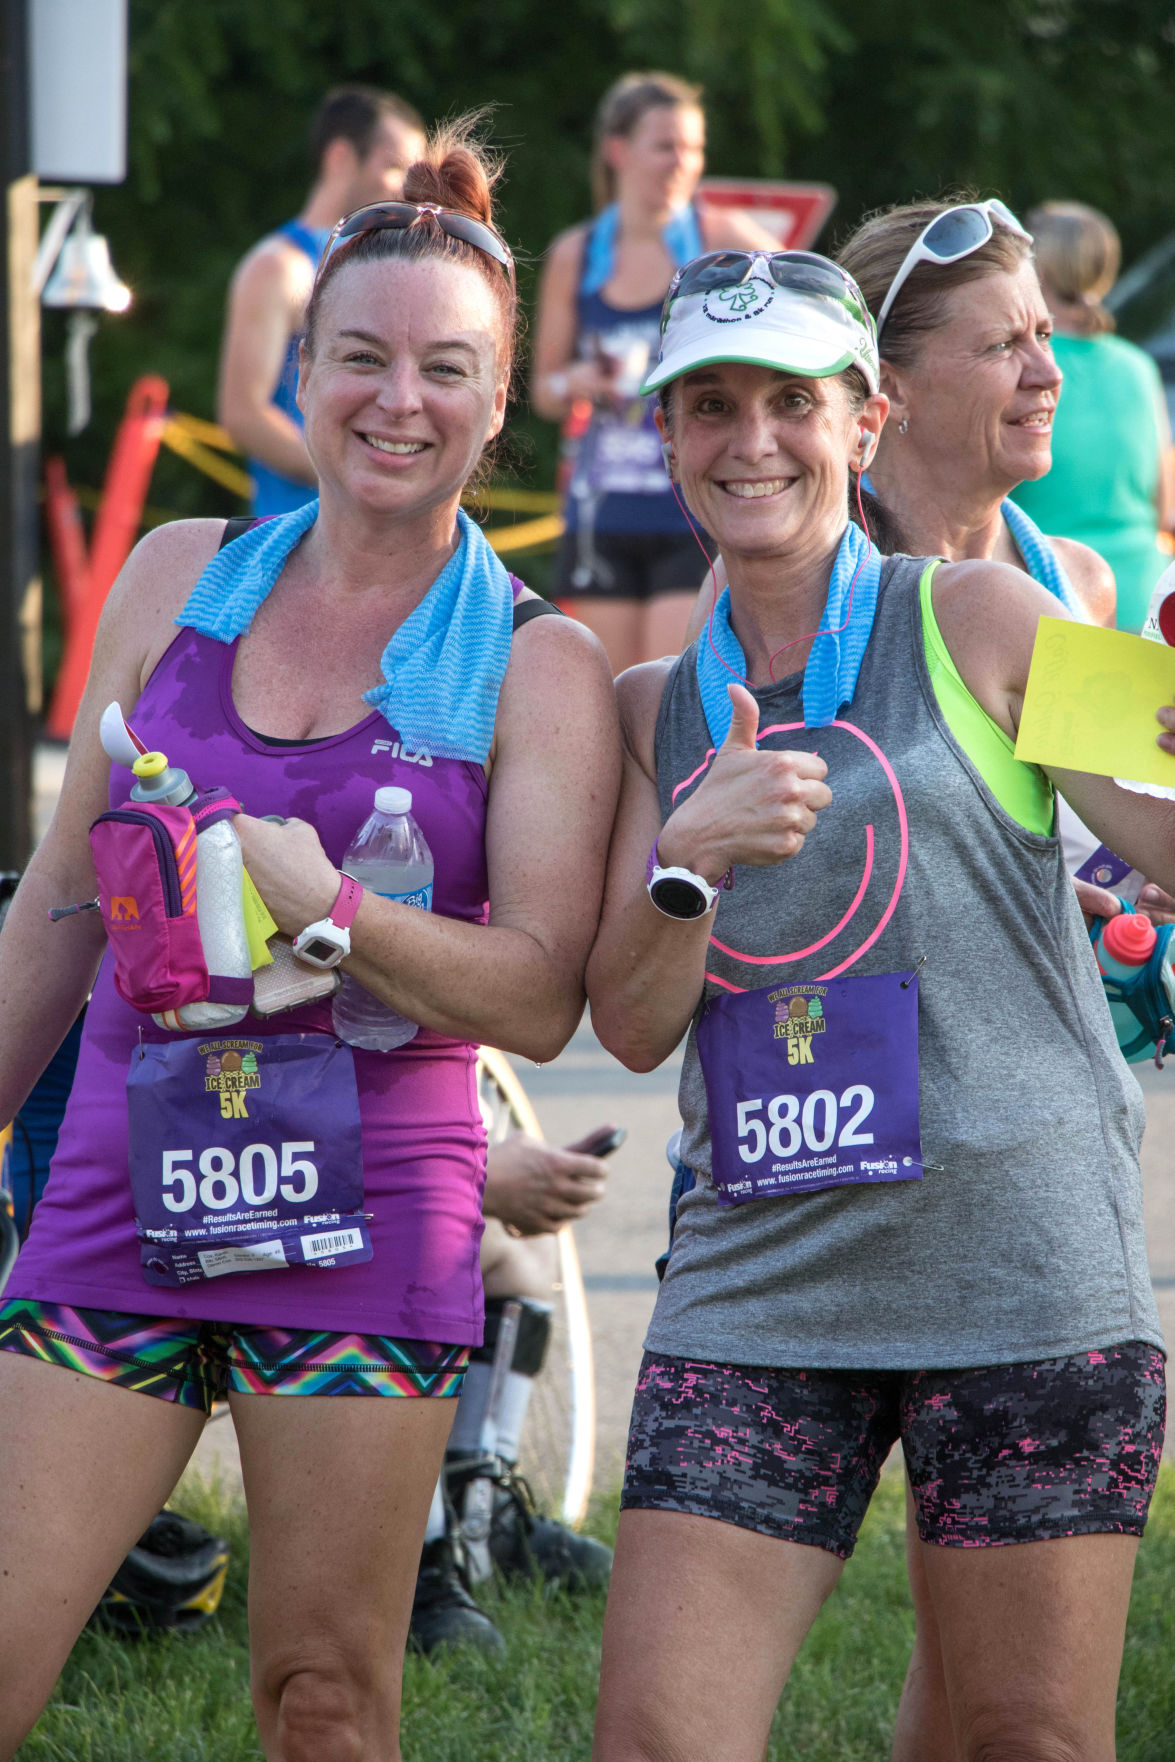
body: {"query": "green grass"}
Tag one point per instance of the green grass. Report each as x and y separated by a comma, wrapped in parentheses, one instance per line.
(186, 1700)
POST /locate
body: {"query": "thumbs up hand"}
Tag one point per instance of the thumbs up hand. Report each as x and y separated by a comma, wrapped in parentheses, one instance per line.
(751, 807)
(743, 733)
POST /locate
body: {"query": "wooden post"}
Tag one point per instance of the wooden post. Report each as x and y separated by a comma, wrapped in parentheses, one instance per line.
(20, 438)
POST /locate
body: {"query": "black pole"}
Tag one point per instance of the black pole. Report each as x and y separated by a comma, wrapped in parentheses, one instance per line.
(20, 438)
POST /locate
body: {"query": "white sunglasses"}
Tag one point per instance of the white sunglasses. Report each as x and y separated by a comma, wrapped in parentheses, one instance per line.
(948, 238)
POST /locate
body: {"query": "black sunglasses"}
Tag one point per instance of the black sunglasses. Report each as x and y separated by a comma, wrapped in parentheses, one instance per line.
(803, 272)
(399, 216)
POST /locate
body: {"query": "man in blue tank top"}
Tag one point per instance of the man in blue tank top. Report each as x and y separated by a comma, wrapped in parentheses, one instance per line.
(361, 141)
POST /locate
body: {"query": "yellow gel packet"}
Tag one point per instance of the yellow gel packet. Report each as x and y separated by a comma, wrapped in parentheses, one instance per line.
(259, 925)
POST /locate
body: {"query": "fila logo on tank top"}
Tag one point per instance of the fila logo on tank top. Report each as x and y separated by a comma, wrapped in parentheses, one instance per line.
(810, 1067)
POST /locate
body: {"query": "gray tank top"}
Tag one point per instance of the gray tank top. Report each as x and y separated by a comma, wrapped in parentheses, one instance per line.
(1026, 1241)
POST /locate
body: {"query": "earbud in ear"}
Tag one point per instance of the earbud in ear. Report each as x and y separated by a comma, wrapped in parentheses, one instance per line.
(668, 456)
(868, 446)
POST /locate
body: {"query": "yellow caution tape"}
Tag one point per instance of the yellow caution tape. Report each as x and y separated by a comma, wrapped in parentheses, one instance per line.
(229, 477)
(513, 501)
(211, 434)
(528, 535)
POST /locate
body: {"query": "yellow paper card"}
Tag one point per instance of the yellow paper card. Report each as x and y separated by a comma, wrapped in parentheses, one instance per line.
(259, 926)
(1091, 701)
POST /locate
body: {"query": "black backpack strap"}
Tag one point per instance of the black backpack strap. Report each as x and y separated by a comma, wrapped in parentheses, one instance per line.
(236, 526)
(525, 610)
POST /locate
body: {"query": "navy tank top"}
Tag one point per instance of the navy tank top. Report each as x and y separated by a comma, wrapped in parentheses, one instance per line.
(619, 483)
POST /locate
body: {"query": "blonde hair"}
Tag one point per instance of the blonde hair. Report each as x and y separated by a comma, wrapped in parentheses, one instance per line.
(1078, 253)
(876, 251)
(621, 109)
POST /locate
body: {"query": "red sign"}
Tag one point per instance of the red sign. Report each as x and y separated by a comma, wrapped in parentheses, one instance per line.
(795, 213)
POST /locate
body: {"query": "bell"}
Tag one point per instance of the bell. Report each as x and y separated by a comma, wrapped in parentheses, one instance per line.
(84, 276)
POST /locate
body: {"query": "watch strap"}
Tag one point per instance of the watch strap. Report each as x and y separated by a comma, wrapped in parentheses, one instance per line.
(342, 912)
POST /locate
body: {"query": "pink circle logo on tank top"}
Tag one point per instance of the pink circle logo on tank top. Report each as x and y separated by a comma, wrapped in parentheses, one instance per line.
(799, 954)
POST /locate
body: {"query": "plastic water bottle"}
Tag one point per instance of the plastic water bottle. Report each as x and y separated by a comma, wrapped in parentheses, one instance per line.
(389, 856)
(1124, 947)
(220, 913)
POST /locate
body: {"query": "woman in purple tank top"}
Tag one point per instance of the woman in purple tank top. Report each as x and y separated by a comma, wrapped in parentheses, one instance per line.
(384, 592)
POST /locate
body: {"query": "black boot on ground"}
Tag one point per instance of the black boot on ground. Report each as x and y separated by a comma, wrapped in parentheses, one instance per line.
(443, 1610)
(522, 1543)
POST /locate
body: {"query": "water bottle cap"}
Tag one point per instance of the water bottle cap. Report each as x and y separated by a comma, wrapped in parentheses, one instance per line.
(391, 800)
(1129, 938)
(150, 764)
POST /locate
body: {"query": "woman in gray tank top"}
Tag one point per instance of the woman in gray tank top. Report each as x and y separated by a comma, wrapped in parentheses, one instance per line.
(918, 1211)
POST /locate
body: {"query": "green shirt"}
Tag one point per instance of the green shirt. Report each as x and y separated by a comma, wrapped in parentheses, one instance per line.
(1104, 481)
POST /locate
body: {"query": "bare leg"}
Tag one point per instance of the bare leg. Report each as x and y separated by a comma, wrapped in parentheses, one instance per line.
(338, 1489)
(84, 1466)
(923, 1730)
(1032, 1640)
(617, 623)
(704, 1621)
(664, 623)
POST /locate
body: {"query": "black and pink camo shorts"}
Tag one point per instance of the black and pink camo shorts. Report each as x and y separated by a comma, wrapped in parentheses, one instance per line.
(1005, 1453)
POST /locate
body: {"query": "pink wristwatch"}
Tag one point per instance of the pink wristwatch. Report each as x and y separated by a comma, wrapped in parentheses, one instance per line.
(328, 940)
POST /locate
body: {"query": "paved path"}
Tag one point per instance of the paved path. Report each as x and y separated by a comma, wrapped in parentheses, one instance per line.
(619, 1242)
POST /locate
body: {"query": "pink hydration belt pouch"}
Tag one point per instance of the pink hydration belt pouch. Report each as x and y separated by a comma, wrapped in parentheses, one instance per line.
(145, 856)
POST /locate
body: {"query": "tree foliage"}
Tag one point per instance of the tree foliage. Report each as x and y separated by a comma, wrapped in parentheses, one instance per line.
(884, 99)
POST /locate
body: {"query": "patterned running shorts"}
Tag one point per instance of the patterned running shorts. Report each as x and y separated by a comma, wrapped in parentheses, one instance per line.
(1006, 1453)
(193, 1363)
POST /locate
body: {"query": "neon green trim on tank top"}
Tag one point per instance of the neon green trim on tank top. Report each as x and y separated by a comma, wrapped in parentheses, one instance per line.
(1022, 790)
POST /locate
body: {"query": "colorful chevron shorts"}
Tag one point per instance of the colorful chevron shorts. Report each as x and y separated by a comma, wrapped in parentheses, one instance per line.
(194, 1363)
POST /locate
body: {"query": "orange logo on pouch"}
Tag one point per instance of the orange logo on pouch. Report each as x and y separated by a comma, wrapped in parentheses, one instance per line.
(124, 909)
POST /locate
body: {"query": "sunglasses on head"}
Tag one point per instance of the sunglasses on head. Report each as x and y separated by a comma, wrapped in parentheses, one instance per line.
(948, 238)
(801, 272)
(399, 216)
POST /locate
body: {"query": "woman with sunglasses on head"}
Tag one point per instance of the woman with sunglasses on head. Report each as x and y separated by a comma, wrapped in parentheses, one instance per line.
(967, 363)
(627, 558)
(898, 1228)
(1112, 480)
(370, 639)
(965, 331)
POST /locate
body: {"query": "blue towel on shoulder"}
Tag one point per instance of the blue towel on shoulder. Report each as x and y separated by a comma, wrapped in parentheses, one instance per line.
(443, 668)
(1040, 559)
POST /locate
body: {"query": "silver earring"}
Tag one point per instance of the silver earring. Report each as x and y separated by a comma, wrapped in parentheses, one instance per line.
(904, 425)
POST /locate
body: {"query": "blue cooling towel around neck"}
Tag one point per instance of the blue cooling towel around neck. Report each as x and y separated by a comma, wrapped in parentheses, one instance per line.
(830, 677)
(443, 667)
(681, 234)
(1040, 559)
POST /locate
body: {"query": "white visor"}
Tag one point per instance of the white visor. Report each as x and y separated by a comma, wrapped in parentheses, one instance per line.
(764, 325)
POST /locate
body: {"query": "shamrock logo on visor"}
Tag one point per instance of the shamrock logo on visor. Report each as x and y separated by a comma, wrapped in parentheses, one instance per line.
(746, 299)
(742, 298)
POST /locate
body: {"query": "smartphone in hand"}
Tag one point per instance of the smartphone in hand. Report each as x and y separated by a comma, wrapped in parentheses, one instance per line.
(602, 1142)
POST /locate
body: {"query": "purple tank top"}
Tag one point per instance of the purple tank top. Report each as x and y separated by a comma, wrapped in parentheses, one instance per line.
(423, 1137)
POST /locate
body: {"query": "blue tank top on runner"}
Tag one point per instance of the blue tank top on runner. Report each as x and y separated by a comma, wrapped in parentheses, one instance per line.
(619, 483)
(273, 493)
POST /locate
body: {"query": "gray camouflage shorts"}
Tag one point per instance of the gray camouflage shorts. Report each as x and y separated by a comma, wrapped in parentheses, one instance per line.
(1004, 1453)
